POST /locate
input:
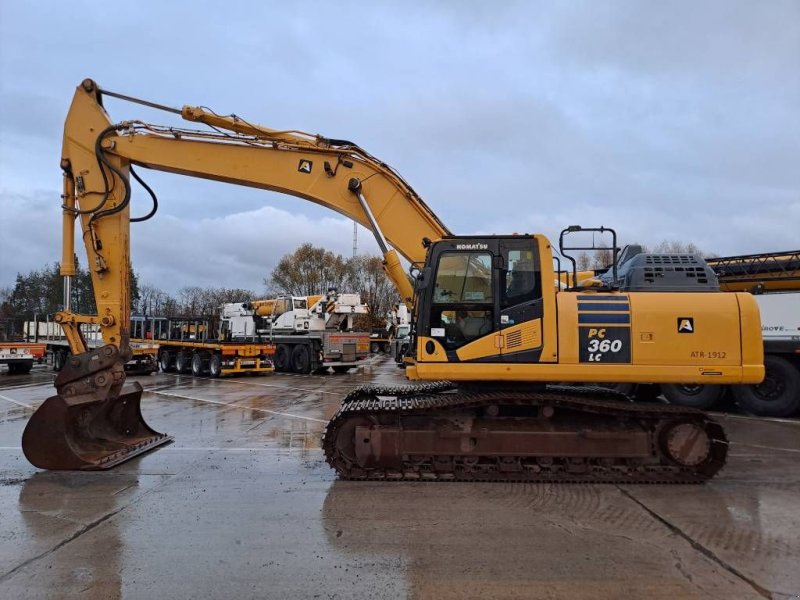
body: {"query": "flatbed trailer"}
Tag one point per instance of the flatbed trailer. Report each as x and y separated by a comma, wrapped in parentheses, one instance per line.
(380, 341)
(192, 352)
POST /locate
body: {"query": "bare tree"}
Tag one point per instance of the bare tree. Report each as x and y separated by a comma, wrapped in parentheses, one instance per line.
(678, 247)
(307, 271)
(584, 262)
(366, 276)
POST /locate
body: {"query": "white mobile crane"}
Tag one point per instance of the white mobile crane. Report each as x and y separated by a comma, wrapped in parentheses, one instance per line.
(310, 333)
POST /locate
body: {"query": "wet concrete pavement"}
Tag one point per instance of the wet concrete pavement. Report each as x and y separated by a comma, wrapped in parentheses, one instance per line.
(242, 505)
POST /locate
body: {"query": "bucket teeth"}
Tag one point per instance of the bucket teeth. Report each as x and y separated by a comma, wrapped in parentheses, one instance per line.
(83, 433)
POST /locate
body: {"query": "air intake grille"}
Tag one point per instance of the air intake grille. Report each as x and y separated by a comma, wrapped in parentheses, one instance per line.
(671, 259)
(694, 274)
(514, 339)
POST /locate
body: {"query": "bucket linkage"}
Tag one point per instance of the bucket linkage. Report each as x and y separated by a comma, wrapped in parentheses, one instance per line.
(95, 420)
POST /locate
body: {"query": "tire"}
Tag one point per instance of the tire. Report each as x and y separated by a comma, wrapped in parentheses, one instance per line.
(183, 362)
(198, 368)
(20, 368)
(215, 366)
(283, 358)
(25, 367)
(699, 396)
(341, 369)
(647, 392)
(59, 358)
(374, 347)
(165, 362)
(777, 396)
(301, 359)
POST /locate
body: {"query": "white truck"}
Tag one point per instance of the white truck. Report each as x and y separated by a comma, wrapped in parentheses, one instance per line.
(310, 333)
(779, 393)
(20, 356)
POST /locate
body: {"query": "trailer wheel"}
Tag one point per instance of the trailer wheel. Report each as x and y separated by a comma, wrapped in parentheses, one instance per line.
(374, 347)
(20, 368)
(301, 359)
(215, 366)
(183, 362)
(165, 361)
(777, 396)
(59, 358)
(283, 358)
(699, 396)
(198, 368)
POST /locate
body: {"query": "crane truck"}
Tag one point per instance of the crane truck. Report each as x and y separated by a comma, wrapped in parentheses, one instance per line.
(490, 332)
(310, 333)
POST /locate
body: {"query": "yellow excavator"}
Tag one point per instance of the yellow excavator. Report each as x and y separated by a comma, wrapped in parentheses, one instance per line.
(497, 328)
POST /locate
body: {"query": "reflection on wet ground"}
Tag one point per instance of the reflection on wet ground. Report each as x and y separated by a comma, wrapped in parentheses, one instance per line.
(242, 505)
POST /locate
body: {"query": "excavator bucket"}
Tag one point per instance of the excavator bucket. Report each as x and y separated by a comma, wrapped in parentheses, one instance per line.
(87, 431)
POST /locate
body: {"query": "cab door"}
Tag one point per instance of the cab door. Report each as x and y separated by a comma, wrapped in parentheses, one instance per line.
(519, 298)
(462, 298)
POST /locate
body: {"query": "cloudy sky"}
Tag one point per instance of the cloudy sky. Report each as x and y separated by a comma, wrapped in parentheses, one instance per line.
(672, 120)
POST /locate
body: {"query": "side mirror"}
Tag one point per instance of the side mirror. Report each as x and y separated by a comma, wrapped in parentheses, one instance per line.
(423, 278)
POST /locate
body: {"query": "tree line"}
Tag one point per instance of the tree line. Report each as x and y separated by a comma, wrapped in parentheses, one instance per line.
(307, 271)
(41, 292)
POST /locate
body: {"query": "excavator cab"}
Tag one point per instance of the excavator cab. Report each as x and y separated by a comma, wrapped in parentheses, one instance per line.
(472, 288)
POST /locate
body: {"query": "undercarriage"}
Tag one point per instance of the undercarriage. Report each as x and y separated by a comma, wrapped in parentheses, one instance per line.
(440, 432)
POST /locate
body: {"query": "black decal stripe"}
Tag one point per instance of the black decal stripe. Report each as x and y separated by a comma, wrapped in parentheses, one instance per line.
(602, 318)
(582, 297)
(603, 306)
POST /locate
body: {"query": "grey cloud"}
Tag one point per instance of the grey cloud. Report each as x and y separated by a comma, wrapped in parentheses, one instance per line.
(677, 119)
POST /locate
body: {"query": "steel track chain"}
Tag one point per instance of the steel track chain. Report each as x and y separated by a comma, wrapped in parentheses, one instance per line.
(373, 401)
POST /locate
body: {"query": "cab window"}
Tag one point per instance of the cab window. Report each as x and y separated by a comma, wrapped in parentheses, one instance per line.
(464, 278)
(463, 300)
(522, 279)
(281, 306)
